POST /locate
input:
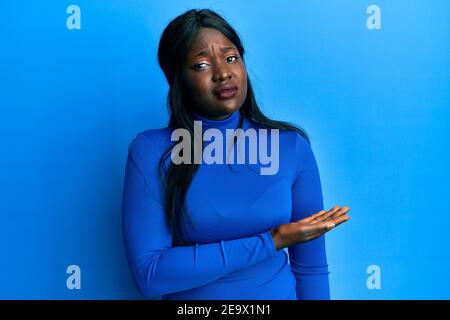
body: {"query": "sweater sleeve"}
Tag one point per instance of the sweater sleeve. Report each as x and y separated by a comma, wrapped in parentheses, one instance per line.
(308, 259)
(158, 268)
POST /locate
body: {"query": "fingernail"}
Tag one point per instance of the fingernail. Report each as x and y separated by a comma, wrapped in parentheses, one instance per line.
(330, 225)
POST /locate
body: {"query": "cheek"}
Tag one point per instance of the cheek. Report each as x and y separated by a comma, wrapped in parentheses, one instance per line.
(195, 83)
(242, 75)
(201, 86)
(243, 80)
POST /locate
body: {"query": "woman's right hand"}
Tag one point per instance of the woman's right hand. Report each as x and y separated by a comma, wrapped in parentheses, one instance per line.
(309, 228)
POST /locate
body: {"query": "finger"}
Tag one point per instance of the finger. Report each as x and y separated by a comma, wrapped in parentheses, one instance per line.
(333, 223)
(315, 235)
(318, 228)
(328, 214)
(338, 213)
(329, 227)
(314, 216)
(317, 216)
(337, 221)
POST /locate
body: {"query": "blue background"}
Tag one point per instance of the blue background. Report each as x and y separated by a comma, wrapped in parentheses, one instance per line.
(375, 103)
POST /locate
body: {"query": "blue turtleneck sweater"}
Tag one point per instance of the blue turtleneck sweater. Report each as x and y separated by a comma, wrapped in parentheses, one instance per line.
(232, 208)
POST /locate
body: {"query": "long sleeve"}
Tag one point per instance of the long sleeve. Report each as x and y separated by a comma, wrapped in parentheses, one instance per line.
(308, 260)
(156, 267)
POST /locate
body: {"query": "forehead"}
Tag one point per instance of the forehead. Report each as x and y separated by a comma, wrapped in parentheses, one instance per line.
(207, 37)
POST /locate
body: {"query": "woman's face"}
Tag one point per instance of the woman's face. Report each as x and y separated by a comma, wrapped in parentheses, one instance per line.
(212, 62)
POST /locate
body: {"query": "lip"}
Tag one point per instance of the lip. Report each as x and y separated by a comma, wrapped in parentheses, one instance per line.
(225, 91)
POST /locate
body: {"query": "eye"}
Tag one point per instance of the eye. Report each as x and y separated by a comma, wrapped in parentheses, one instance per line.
(202, 66)
(197, 66)
(235, 57)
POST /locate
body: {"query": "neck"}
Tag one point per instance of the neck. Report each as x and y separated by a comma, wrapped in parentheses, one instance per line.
(229, 122)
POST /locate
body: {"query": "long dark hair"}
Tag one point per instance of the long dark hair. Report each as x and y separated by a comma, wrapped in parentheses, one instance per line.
(173, 46)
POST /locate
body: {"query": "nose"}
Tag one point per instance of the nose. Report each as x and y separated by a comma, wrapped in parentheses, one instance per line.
(221, 72)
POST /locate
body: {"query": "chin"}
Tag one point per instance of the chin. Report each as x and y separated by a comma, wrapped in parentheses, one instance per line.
(230, 108)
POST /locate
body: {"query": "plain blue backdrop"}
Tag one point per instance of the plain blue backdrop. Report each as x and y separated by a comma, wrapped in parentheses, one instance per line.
(374, 102)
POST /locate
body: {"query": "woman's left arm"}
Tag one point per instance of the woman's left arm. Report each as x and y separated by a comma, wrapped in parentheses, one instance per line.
(308, 259)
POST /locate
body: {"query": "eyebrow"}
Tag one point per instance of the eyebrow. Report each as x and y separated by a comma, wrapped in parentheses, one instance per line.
(205, 52)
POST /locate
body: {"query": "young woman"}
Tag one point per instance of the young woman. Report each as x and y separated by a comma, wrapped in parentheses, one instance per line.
(217, 229)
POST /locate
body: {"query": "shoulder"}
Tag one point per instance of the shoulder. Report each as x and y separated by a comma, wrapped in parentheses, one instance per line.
(301, 143)
(285, 135)
(305, 157)
(156, 137)
(150, 143)
(289, 140)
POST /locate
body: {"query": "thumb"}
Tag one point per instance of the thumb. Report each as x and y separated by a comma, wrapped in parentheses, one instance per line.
(318, 227)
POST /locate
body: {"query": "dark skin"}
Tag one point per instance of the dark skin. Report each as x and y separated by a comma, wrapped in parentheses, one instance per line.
(212, 60)
(309, 228)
